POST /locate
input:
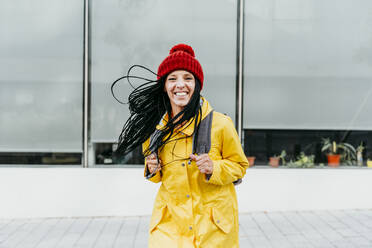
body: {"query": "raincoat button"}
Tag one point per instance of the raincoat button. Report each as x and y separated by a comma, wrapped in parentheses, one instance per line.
(189, 161)
(218, 221)
(183, 164)
(190, 227)
(187, 196)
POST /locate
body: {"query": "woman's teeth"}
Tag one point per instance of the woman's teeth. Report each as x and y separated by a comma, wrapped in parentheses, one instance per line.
(181, 93)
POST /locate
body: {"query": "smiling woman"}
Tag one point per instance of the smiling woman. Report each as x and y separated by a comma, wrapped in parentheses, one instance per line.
(192, 150)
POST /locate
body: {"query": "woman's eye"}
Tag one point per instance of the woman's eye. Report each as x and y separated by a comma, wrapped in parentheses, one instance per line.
(189, 78)
(171, 79)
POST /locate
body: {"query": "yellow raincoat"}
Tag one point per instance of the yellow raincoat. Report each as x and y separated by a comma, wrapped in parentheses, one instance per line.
(190, 210)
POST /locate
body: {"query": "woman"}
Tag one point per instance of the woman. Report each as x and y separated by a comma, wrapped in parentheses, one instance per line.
(196, 205)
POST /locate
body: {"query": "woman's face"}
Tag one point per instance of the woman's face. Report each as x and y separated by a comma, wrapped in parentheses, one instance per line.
(179, 85)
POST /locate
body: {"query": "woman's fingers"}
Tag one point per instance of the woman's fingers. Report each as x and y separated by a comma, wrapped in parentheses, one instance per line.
(201, 161)
(154, 167)
(152, 163)
(151, 156)
(193, 157)
(204, 163)
(206, 170)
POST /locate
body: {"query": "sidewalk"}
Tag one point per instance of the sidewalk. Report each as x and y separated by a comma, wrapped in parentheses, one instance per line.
(340, 228)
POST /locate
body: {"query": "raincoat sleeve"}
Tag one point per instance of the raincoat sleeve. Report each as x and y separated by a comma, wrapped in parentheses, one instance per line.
(234, 163)
(157, 176)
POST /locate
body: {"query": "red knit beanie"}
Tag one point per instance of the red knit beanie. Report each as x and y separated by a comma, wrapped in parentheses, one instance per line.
(181, 57)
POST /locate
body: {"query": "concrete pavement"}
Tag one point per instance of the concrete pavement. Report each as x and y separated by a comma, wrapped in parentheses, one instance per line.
(326, 228)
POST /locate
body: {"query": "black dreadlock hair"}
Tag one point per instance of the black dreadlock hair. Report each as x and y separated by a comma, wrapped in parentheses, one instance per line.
(147, 105)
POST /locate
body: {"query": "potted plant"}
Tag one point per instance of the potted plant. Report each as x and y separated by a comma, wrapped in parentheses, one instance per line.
(302, 161)
(338, 152)
(369, 163)
(359, 154)
(274, 160)
(251, 160)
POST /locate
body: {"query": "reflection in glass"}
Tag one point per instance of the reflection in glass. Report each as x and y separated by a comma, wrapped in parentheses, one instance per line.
(308, 65)
(307, 74)
(41, 49)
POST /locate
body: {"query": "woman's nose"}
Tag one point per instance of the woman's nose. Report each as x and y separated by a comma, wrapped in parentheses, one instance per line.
(180, 83)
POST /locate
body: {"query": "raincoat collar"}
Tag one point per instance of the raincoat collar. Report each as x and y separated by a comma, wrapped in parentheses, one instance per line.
(188, 128)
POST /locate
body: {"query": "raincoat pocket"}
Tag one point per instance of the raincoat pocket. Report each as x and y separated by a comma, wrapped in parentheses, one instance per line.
(156, 218)
(224, 221)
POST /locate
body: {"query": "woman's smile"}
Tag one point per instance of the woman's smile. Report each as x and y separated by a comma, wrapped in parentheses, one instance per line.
(183, 93)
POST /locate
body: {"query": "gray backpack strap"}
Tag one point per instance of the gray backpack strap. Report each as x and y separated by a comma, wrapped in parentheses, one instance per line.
(237, 182)
(153, 137)
(203, 142)
(156, 133)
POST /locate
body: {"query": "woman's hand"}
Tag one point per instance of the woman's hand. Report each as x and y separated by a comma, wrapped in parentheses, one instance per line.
(152, 163)
(204, 163)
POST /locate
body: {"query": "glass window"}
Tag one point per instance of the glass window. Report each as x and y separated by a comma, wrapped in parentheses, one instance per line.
(308, 65)
(307, 68)
(41, 49)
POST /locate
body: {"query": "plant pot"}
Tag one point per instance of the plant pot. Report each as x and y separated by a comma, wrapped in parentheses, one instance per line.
(333, 160)
(369, 163)
(251, 160)
(274, 161)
